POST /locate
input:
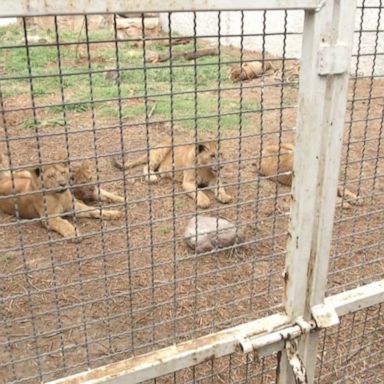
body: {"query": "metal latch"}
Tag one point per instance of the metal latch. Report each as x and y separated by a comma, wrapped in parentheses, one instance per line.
(275, 341)
(286, 338)
(333, 59)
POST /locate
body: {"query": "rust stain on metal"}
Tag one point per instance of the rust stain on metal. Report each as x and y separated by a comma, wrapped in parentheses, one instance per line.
(285, 277)
(296, 363)
(310, 277)
(286, 280)
(279, 355)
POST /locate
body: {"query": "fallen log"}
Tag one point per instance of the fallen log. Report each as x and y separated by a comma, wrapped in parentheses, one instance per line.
(160, 58)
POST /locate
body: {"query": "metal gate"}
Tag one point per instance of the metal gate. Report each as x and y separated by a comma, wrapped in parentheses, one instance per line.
(296, 295)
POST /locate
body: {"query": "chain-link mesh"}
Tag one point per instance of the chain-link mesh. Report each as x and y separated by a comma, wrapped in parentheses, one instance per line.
(236, 368)
(356, 256)
(83, 93)
(352, 352)
(82, 96)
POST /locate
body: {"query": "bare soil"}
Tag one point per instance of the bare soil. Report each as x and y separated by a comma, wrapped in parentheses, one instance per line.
(132, 285)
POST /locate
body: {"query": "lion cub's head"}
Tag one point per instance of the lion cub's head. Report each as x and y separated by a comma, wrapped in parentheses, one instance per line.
(53, 176)
(209, 156)
(83, 174)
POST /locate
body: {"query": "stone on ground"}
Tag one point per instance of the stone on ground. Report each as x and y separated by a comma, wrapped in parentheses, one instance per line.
(211, 233)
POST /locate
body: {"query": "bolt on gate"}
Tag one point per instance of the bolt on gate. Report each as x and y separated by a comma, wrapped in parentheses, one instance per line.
(295, 295)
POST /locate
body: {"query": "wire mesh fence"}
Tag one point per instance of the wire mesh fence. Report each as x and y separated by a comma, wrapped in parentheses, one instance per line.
(211, 120)
(92, 96)
(352, 352)
(235, 368)
(356, 257)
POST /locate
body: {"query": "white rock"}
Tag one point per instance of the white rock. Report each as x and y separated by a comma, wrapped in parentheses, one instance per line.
(211, 233)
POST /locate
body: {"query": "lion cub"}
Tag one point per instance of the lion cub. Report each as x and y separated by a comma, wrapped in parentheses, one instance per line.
(279, 168)
(56, 200)
(83, 174)
(202, 156)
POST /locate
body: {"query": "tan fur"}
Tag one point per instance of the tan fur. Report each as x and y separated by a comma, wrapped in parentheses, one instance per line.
(4, 170)
(58, 201)
(84, 174)
(272, 167)
(275, 166)
(185, 156)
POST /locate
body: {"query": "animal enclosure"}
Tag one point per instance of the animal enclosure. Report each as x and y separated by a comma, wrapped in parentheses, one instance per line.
(87, 89)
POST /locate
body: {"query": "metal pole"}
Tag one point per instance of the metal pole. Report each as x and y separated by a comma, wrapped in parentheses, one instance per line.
(327, 44)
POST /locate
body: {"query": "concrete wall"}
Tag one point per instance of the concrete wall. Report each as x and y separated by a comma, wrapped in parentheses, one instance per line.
(368, 38)
(207, 24)
(7, 21)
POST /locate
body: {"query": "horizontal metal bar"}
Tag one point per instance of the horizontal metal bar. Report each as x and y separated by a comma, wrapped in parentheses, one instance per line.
(116, 356)
(176, 357)
(266, 335)
(11, 8)
(358, 298)
(327, 314)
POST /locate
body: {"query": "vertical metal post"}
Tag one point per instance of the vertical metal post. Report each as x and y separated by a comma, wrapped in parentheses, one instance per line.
(326, 51)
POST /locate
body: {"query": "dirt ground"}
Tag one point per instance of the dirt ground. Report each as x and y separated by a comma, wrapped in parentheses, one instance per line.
(132, 285)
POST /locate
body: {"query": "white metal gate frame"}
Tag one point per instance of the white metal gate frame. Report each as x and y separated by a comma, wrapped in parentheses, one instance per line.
(326, 52)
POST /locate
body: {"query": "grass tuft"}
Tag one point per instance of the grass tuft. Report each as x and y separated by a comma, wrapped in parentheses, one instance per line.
(133, 82)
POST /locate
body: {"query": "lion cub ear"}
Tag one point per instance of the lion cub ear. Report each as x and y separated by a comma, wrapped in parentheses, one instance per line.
(36, 171)
(202, 147)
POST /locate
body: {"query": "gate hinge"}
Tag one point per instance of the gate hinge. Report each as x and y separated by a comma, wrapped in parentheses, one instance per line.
(333, 59)
(325, 315)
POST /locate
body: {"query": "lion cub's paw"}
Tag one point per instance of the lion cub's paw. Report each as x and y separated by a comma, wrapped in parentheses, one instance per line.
(112, 214)
(203, 201)
(224, 198)
(71, 234)
(151, 178)
(75, 239)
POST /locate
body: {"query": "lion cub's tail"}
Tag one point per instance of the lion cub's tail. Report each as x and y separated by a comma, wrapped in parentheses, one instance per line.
(130, 164)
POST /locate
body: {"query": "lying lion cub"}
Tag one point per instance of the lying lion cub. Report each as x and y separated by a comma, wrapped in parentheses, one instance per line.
(58, 200)
(279, 168)
(203, 155)
(83, 174)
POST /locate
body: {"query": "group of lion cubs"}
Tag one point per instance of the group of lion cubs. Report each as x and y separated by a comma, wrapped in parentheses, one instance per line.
(195, 166)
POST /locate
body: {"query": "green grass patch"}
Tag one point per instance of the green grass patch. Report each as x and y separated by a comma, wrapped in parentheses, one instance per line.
(30, 123)
(158, 79)
(72, 107)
